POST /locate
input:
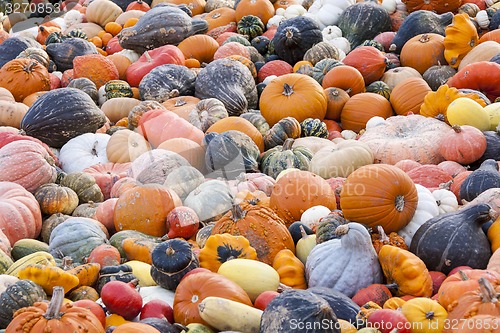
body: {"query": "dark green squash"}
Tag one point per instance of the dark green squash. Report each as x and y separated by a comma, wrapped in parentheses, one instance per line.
(313, 127)
(480, 180)
(374, 43)
(320, 51)
(60, 115)
(167, 81)
(86, 86)
(296, 232)
(343, 306)
(54, 37)
(261, 43)
(454, 239)
(299, 311)
(12, 46)
(37, 54)
(492, 148)
(420, 22)
(379, 87)
(77, 33)
(294, 37)
(243, 40)
(27, 246)
(327, 225)
(251, 26)
(171, 260)
(231, 153)
(322, 67)
(21, 294)
(363, 21)
(84, 185)
(279, 158)
(437, 75)
(230, 82)
(114, 273)
(118, 88)
(160, 26)
(65, 52)
(286, 128)
(256, 118)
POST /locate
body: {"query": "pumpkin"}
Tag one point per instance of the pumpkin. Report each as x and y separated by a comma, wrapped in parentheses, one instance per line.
(379, 87)
(406, 271)
(240, 124)
(181, 105)
(84, 151)
(404, 104)
(22, 77)
(431, 45)
(155, 86)
(220, 248)
(430, 176)
(325, 230)
(477, 76)
(354, 246)
(54, 198)
(461, 227)
(321, 68)
(286, 128)
(460, 37)
(84, 186)
(411, 137)
(106, 175)
(145, 35)
(483, 52)
(344, 77)
(369, 61)
(48, 277)
(196, 287)
(337, 99)
(377, 293)
(206, 113)
(53, 315)
(210, 200)
(128, 213)
(63, 53)
(256, 118)
(320, 51)
(484, 178)
(299, 190)
(290, 269)
(261, 9)
(281, 97)
(171, 260)
(12, 113)
(380, 238)
(125, 146)
(279, 158)
(465, 111)
(429, 314)
(464, 144)
(402, 197)
(341, 159)
(252, 182)
(354, 114)
(219, 17)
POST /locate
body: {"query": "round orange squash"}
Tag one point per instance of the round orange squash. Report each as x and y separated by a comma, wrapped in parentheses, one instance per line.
(345, 77)
(408, 96)
(361, 107)
(23, 77)
(199, 47)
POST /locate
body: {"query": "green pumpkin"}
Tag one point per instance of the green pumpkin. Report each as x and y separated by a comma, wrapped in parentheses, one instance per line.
(257, 120)
(320, 51)
(243, 40)
(288, 127)
(327, 225)
(379, 87)
(24, 247)
(118, 88)
(284, 157)
(251, 26)
(374, 43)
(322, 67)
(77, 33)
(21, 294)
(54, 37)
(313, 127)
(84, 185)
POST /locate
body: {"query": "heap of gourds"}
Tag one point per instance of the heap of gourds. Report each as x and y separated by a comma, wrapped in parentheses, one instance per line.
(250, 165)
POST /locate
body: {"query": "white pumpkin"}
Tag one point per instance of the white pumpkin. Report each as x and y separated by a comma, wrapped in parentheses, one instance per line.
(331, 32)
(84, 151)
(294, 11)
(210, 199)
(374, 121)
(482, 19)
(342, 44)
(349, 135)
(275, 20)
(327, 12)
(390, 6)
(427, 208)
(446, 201)
(313, 215)
(131, 55)
(73, 17)
(347, 264)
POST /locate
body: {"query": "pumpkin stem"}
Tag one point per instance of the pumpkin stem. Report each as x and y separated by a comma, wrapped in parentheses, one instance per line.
(429, 315)
(287, 145)
(382, 235)
(148, 57)
(237, 213)
(170, 251)
(341, 230)
(445, 186)
(180, 102)
(424, 39)
(400, 203)
(488, 293)
(457, 128)
(29, 67)
(303, 232)
(174, 93)
(55, 304)
(67, 263)
(287, 90)
(94, 148)
(282, 287)
(440, 116)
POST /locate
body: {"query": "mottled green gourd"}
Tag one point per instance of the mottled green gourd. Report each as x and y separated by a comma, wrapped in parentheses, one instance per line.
(313, 127)
(284, 157)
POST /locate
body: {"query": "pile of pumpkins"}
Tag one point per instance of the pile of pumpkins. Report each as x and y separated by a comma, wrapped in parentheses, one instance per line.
(250, 166)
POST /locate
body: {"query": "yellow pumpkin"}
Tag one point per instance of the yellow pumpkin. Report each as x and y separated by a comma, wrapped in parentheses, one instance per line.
(494, 235)
(48, 277)
(87, 274)
(394, 303)
(220, 248)
(425, 315)
(253, 276)
(460, 37)
(493, 111)
(465, 111)
(290, 269)
(346, 327)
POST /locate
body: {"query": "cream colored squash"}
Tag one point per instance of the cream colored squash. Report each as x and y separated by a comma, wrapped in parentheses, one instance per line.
(465, 111)
(102, 12)
(446, 201)
(482, 52)
(493, 111)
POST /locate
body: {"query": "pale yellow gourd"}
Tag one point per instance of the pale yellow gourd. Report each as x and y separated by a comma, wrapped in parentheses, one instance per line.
(465, 111)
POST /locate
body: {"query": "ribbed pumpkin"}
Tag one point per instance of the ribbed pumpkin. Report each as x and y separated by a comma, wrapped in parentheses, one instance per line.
(287, 95)
(337, 98)
(408, 96)
(433, 5)
(219, 17)
(369, 61)
(199, 47)
(423, 51)
(379, 195)
(239, 124)
(263, 9)
(125, 146)
(345, 77)
(361, 107)
(263, 228)
(296, 191)
(145, 208)
(22, 77)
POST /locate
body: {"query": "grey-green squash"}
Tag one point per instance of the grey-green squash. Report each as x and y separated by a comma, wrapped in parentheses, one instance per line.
(279, 158)
(21, 294)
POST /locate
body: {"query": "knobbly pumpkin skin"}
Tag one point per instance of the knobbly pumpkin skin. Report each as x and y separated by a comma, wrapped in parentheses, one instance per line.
(22, 77)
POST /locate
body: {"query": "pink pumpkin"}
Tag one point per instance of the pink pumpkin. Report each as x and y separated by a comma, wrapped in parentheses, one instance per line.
(20, 215)
(105, 214)
(158, 126)
(430, 176)
(274, 67)
(107, 174)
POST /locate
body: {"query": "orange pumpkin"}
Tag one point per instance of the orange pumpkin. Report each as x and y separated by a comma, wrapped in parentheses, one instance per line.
(145, 208)
(121, 63)
(408, 96)
(190, 150)
(220, 17)
(23, 77)
(96, 68)
(345, 77)
(369, 61)
(436, 6)
(379, 194)
(337, 98)
(199, 47)
(263, 9)
(286, 96)
(423, 51)
(265, 230)
(361, 107)
(30, 99)
(238, 124)
(231, 48)
(181, 105)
